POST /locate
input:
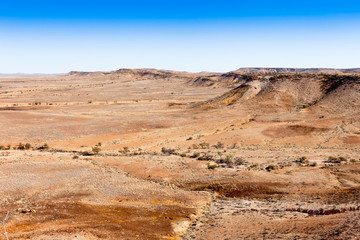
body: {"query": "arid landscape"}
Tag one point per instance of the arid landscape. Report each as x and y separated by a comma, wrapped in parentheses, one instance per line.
(255, 153)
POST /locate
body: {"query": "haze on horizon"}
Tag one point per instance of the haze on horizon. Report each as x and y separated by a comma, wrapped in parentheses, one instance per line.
(44, 37)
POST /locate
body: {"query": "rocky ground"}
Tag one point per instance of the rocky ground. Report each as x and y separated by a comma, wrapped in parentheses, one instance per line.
(147, 154)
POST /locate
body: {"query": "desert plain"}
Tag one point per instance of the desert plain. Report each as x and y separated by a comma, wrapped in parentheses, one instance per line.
(155, 154)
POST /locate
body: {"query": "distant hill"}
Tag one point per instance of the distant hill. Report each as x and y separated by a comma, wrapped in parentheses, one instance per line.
(297, 70)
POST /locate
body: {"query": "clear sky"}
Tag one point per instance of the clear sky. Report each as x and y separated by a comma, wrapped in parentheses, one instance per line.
(57, 36)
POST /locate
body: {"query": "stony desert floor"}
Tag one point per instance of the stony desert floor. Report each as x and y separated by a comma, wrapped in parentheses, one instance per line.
(148, 154)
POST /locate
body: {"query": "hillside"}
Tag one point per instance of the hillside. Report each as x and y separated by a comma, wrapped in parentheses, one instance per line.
(155, 154)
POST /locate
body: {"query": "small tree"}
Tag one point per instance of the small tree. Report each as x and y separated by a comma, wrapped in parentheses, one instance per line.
(27, 146)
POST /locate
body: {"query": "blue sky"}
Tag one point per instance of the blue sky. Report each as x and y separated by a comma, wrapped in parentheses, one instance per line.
(60, 36)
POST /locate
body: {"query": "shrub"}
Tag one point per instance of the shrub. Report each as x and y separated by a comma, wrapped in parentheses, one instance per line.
(205, 157)
(44, 147)
(219, 145)
(96, 150)
(75, 157)
(301, 160)
(342, 159)
(2, 147)
(270, 168)
(194, 146)
(21, 146)
(239, 161)
(255, 165)
(168, 151)
(212, 166)
(204, 145)
(228, 160)
(332, 159)
(27, 146)
(183, 155)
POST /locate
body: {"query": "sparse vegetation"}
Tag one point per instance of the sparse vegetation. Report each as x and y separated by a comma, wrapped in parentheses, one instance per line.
(255, 165)
(239, 161)
(218, 145)
(96, 150)
(271, 167)
(44, 147)
(212, 166)
(204, 145)
(336, 160)
(27, 146)
(168, 151)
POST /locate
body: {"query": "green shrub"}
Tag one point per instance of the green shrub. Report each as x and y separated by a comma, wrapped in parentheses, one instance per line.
(255, 165)
(212, 166)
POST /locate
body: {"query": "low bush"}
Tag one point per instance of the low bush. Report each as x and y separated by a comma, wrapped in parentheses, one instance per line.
(168, 151)
(239, 161)
(212, 166)
(218, 145)
(270, 168)
(96, 150)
